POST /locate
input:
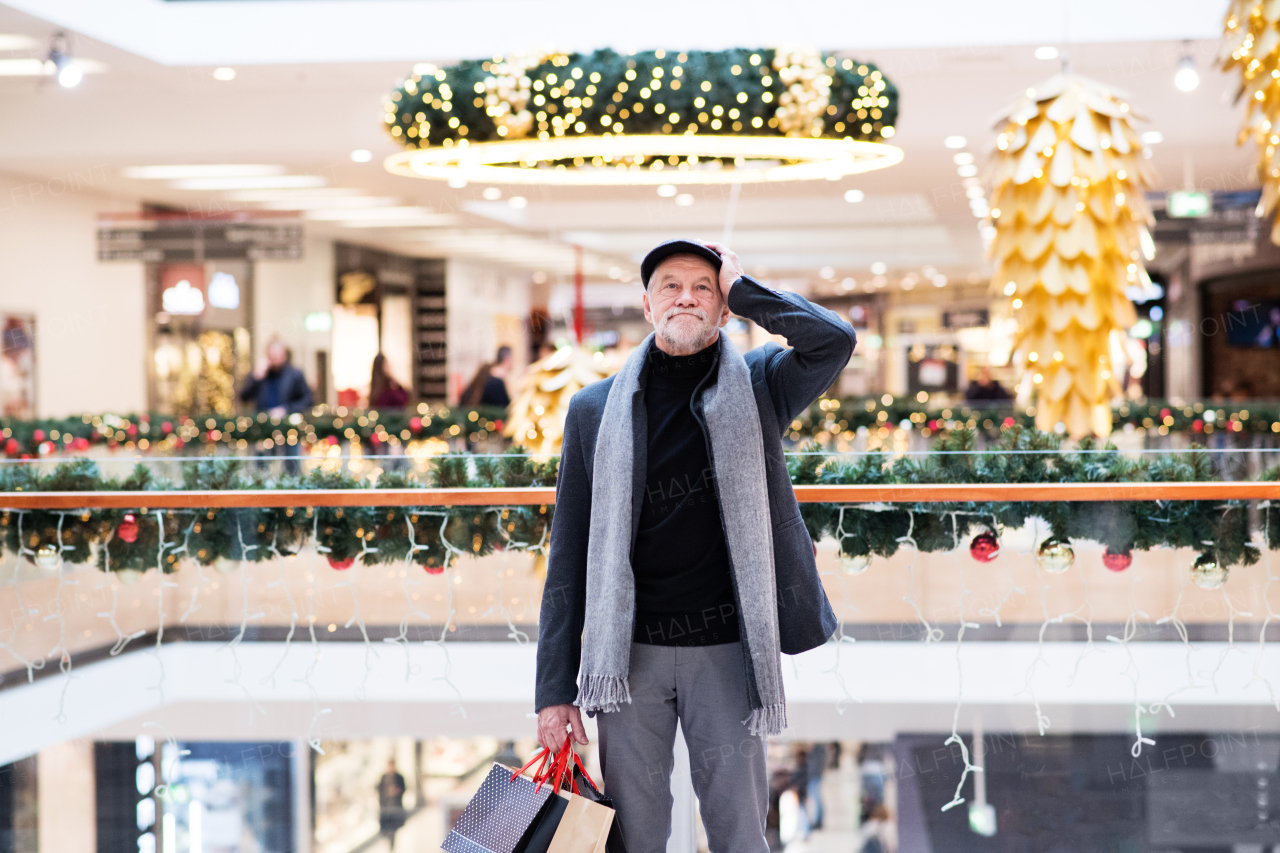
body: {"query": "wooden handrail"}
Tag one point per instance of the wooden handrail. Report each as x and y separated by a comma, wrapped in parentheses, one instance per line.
(544, 495)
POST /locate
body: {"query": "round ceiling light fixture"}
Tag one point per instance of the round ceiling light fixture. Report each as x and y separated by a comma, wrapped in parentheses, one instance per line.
(630, 160)
(652, 118)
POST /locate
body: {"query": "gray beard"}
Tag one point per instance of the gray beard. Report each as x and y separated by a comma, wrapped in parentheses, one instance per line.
(683, 335)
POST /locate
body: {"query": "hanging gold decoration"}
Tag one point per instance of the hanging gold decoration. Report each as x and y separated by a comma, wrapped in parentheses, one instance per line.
(1252, 44)
(537, 414)
(1071, 233)
(802, 106)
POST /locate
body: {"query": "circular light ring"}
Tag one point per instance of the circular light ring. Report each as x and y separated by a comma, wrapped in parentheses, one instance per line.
(767, 159)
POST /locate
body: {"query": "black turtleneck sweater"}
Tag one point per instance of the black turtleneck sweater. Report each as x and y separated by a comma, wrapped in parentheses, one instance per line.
(684, 591)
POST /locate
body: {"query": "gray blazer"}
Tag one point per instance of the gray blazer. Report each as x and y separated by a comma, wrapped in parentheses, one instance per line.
(786, 382)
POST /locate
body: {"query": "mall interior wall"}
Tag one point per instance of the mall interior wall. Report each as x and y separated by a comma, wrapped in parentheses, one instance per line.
(90, 316)
(487, 307)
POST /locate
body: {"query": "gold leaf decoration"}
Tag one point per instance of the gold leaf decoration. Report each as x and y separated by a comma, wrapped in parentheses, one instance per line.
(1071, 233)
(537, 414)
(1252, 44)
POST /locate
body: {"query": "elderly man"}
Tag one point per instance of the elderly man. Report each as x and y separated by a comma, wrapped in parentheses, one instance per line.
(680, 568)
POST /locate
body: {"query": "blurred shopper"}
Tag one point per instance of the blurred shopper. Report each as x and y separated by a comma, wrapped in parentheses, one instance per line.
(391, 814)
(279, 389)
(384, 391)
(488, 387)
(814, 771)
(985, 387)
(673, 550)
(878, 833)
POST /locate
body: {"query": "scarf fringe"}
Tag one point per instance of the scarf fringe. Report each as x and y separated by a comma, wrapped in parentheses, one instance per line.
(603, 693)
(767, 721)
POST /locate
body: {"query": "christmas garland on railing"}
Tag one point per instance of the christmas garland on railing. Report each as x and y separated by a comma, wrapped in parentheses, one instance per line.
(831, 418)
(244, 434)
(134, 541)
(825, 421)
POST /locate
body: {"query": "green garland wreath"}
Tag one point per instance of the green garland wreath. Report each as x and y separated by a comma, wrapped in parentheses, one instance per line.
(735, 91)
(435, 537)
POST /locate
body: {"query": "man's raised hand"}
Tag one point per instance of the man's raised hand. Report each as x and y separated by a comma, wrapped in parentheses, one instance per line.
(730, 267)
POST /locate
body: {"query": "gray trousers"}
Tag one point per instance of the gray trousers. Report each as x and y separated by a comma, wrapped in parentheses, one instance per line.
(706, 690)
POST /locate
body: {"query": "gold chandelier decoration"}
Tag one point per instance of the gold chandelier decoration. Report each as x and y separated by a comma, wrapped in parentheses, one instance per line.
(1252, 45)
(537, 414)
(1071, 234)
(734, 116)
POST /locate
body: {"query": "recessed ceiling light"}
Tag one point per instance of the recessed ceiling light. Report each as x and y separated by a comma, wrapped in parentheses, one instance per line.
(211, 170)
(457, 183)
(32, 67)
(827, 273)
(955, 142)
(684, 199)
(1152, 137)
(1047, 52)
(361, 155)
(939, 280)
(492, 193)
(964, 158)
(848, 284)
(224, 74)
(854, 196)
(615, 273)
(325, 202)
(276, 182)
(667, 190)
(967, 171)
(975, 192)
(879, 268)
(13, 41)
(302, 194)
(518, 202)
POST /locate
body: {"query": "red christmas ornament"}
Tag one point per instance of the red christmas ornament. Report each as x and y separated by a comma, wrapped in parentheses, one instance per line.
(128, 529)
(415, 423)
(38, 436)
(433, 570)
(341, 564)
(11, 446)
(984, 547)
(1117, 561)
(166, 427)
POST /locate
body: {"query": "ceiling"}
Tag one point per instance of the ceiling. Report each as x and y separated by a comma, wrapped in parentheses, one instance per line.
(311, 75)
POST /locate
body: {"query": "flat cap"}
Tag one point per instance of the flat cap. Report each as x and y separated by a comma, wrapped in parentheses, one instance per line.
(675, 247)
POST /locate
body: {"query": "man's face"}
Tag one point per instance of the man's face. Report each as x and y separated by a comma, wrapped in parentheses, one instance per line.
(684, 303)
(277, 355)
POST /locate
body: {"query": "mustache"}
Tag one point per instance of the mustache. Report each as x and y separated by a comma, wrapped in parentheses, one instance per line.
(674, 312)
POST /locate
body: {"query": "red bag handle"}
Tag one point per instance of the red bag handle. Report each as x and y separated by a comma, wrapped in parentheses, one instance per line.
(555, 771)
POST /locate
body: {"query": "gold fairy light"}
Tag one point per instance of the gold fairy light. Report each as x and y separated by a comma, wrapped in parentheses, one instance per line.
(1252, 44)
(537, 414)
(1071, 234)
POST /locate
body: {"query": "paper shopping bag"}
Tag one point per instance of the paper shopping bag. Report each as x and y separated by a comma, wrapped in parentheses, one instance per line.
(583, 828)
(502, 815)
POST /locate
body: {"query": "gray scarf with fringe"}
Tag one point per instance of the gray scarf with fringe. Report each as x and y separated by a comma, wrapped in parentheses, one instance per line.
(737, 457)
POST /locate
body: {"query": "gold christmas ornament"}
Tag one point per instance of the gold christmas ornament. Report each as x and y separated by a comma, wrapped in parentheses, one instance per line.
(47, 558)
(854, 565)
(1071, 233)
(1251, 43)
(536, 417)
(803, 104)
(1055, 556)
(128, 577)
(1208, 573)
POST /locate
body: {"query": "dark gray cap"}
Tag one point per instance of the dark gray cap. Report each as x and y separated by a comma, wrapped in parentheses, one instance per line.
(675, 247)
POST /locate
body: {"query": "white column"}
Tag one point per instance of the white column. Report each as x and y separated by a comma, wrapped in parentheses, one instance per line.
(301, 796)
(685, 805)
(65, 787)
